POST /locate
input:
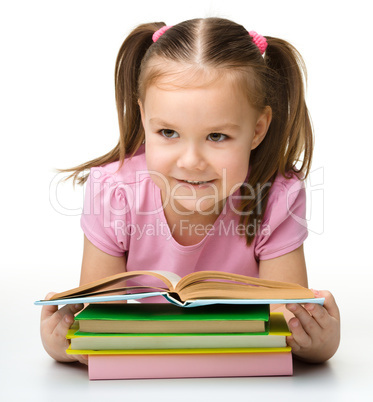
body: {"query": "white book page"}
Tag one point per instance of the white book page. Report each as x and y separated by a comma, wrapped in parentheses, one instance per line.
(171, 276)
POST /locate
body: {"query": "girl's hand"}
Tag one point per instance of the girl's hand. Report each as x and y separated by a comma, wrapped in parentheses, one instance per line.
(315, 329)
(54, 324)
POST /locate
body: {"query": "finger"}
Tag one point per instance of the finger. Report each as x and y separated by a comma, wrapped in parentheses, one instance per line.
(330, 304)
(66, 313)
(62, 326)
(302, 314)
(61, 319)
(306, 321)
(293, 344)
(48, 311)
(319, 313)
(71, 309)
(57, 324)
(301, 337)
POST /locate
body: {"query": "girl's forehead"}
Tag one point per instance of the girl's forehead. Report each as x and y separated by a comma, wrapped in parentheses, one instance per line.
(175, 75)
(200, 100)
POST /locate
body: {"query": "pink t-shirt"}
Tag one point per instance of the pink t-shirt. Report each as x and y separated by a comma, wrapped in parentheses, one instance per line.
(123, 215)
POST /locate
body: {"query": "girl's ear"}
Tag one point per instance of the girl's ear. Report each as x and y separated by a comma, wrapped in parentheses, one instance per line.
(141, 111)
(261, 127)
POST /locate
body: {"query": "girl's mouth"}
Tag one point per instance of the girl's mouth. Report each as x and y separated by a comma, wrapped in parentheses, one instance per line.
(195, 182)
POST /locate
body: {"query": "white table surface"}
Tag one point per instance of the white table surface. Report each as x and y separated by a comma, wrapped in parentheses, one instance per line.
(29, 374)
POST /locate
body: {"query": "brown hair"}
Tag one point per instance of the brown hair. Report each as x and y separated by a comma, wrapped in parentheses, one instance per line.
(275, 80)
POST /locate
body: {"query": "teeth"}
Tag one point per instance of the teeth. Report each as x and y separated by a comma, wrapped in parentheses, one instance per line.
(195, 182)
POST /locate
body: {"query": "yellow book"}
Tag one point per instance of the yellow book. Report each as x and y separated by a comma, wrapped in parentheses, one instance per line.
(274, 337)
(178, 351)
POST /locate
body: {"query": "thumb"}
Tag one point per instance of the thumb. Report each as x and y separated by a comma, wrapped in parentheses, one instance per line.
(329, 304)
(48, 310)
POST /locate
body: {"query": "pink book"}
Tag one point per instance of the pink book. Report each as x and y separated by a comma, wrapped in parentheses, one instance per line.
(117, 367)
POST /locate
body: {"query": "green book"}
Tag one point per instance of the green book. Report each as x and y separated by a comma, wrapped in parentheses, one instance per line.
(168, 318)
(274, 337)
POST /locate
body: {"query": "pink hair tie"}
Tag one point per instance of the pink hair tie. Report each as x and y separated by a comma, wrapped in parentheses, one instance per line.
(259, 40)
(160, 32)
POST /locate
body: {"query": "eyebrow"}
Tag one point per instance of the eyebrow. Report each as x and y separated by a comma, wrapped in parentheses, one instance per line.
(217, 128)
(160, 122)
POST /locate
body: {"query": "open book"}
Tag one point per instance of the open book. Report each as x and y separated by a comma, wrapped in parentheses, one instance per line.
(197, 288)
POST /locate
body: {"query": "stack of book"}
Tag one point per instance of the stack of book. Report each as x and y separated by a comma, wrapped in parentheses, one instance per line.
(215, 324)
(128, 341)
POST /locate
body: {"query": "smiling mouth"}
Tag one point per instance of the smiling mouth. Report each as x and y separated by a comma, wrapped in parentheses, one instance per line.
(195, 182)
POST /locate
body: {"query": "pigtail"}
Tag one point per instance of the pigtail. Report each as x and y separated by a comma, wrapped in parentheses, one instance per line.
(291, 120)
(127, 70)
(289, 140)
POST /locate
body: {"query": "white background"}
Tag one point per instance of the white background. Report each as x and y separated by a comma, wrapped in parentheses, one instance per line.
(57, 110)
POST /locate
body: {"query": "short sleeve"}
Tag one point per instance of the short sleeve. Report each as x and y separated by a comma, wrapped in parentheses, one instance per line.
(105, 213)
(284, 226)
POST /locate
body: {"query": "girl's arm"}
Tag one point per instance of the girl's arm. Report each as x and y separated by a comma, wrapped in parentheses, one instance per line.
(55, 322)
(315, 329)
(96, 264)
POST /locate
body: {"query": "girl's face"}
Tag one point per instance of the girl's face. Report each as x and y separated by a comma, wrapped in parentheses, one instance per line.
(198, 142)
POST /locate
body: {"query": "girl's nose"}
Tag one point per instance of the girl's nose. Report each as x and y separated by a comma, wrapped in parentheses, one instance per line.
(192, 158)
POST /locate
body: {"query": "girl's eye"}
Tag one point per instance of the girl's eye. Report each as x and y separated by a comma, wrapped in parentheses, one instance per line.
(216, 137)
(169, 133)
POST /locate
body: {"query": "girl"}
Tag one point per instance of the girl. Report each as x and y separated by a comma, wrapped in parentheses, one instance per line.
(206, 173)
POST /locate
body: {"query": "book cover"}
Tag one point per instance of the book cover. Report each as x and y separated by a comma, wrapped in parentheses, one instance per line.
(106, 367)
